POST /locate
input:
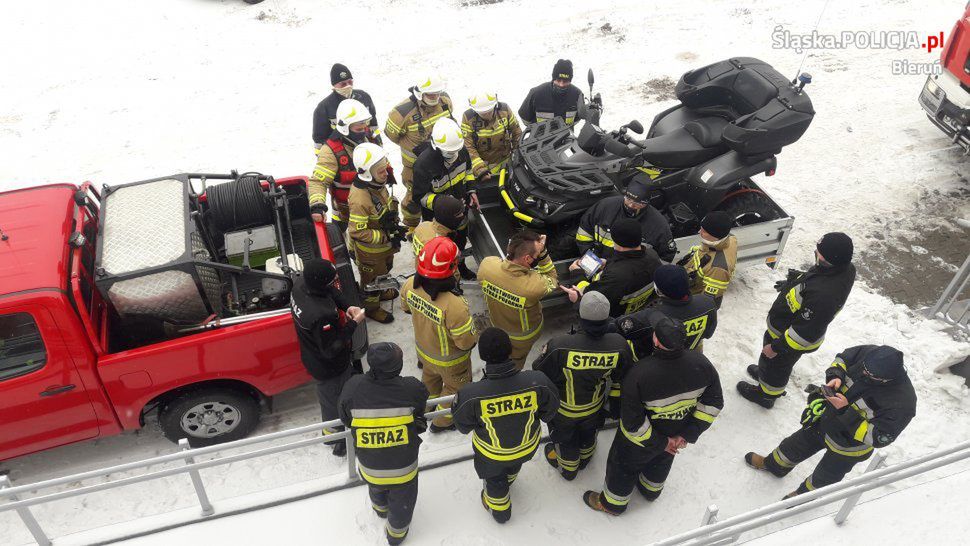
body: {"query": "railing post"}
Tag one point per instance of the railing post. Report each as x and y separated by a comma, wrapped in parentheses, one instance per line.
(710, 515)
(26, 516)
(877, 461)
(207, 509)
(351, 458)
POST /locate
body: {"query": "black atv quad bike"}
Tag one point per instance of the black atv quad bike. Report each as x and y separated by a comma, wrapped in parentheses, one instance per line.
(734, 117)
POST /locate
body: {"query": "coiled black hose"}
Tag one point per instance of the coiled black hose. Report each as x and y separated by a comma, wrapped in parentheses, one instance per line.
(239, 204)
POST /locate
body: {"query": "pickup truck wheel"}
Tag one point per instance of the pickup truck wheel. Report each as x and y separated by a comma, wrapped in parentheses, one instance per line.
(210, 416)
(749, 207)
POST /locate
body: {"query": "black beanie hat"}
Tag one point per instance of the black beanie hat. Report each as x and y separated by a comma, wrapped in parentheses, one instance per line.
(449, 211)
(563, 70)
(718, 224)
(339, 73)
(836, 248)
(884, 364)
(318, 274)
(637, 190)
(494, 345)
(385, 357)
(671, 281)
(627, 232)
(671, 333)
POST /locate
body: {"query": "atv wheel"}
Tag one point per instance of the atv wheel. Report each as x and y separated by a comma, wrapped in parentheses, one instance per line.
(749, 207)
(209, 416)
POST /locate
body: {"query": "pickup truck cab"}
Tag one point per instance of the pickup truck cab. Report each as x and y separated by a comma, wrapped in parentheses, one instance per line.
(73, 368)
(946, 96)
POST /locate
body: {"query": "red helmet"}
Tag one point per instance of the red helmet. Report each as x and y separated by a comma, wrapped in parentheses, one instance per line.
(438, 258)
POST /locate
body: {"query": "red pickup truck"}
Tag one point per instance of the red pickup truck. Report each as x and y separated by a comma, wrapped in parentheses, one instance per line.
(946, 96)
(95, 333)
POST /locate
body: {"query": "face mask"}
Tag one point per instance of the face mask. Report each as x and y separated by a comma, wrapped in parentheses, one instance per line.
(358, 137)
(711, 243)
(559, 91)
(450, 157)
(631, 213)
(345, 92)
(429, 102)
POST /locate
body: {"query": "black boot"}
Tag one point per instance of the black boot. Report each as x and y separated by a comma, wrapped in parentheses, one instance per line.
(340, 448)
(466, 274)
(435, 429)
(753, 393)
(501, 516)
(553, 459)
(753, 372)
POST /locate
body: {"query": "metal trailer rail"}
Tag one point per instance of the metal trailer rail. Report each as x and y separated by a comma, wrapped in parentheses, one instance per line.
(954, 304)
(711, 532)
(729, 530)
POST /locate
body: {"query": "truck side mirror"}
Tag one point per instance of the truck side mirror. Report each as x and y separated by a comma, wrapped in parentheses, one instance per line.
(635, 126)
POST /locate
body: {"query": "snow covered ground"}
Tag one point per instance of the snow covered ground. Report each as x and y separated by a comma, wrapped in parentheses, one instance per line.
(122, 90)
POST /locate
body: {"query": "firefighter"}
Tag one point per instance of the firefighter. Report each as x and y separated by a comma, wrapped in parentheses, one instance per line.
(582, 365)
(385, 413)
(594, 227)
(374, 227)
(446, 169)
(325, 323)
(335, 172)
(325, 115)
(409, 126)
(668, 400)
(449, 215)
(502, 411)
(514, 287)
(711, 263)
(873, 402)
(807, 302)
(444, 333)
(491, 134)
(557, 99)
(698, 312)
(627, 277)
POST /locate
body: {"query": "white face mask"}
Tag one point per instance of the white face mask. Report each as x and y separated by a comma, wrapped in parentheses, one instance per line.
(450, 156)
(708, 242)
(424, 98)
(345, 92)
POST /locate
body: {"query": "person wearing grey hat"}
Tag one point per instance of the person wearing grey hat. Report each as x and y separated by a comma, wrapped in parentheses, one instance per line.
(385, 413)
(806, 305)
(627, 278)
(668, 400)
(581, 365)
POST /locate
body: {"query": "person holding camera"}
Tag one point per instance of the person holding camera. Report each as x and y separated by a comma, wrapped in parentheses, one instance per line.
(866, 402)
(374, 230)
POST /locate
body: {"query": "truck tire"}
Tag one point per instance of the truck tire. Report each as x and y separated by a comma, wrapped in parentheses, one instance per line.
(749, 207)
(209, 416)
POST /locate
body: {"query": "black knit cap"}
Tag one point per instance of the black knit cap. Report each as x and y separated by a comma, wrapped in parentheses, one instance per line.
(449, 211)
(718, 224)
(638, 191)
(318, 274)
(672, 281)
(385, 357)
(836, 248)
(563, 70)
(627, 232)
(494, 345)
(338, 73)
(884, 364)
(671, 333)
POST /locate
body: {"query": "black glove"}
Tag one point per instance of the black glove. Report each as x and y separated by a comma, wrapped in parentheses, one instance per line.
(319, 208)
(793, 274)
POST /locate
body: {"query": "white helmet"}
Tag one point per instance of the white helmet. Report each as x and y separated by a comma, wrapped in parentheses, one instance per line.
(446, 136)
(350, 111)
(431, 84)
(483, 102)
(367, 155)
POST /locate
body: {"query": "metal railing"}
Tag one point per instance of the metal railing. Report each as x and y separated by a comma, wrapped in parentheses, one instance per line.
(728, 531)
(954, 304)
(710, 532)
(191, 467)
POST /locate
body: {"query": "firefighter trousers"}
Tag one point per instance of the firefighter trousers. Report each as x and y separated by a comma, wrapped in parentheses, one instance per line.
(370, 267)
(575, 441)
(339, 214)
(445, 381)
(396, 503)
(520, 350)
(773, 373)
(497, 478)
(628, 467)
(410, 210)
(803, 444)
(328, 392)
